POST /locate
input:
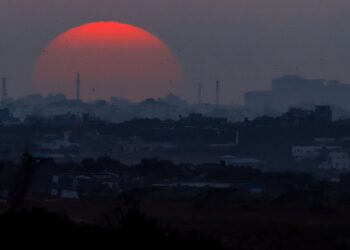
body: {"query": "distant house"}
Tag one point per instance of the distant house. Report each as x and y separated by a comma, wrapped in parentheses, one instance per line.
(65, 187)
(77, 186)
(234, 161)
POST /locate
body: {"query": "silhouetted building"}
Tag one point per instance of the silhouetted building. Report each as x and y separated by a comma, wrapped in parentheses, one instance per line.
(235, 161)
(297, 116)
(292, 90)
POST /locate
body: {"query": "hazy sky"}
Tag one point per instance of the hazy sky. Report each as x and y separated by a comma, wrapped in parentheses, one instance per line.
(244, 43)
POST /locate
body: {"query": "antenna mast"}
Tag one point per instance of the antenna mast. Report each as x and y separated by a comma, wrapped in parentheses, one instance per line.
(199, 93)
(217, 94)
(78, 87)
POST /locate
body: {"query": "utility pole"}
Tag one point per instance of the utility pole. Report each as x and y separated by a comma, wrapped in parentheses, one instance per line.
(217, 94)
(78, 87)
(199, 93)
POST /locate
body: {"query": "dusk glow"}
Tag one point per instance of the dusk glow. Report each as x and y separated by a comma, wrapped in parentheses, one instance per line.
(178, 124)
(113, 59)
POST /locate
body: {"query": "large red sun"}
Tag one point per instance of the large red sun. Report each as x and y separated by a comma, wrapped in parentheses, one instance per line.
(113, 59)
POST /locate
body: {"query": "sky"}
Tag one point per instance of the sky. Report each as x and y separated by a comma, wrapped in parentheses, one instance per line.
(242, 43)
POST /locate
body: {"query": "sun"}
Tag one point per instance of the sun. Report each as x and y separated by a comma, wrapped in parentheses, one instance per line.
(113, 59)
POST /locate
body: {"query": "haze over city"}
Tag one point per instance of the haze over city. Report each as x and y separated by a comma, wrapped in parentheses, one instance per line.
(175, 124)
(244, 44)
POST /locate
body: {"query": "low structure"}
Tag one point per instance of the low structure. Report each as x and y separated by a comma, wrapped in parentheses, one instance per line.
(241, 162)
(310, 152)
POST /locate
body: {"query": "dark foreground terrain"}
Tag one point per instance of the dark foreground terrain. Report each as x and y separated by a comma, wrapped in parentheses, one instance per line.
(159, 224)
(39, 227)
(250, 210)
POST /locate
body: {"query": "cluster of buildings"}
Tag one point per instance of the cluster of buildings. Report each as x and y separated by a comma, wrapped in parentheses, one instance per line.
(70, 130)
(116, 110)
(327, 157)
(286, 92)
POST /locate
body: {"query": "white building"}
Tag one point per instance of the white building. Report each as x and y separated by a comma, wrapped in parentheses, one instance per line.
(65, 188)
(301, 153)
(336, 161)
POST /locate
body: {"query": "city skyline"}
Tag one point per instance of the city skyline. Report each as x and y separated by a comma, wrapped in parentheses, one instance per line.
(242, 44)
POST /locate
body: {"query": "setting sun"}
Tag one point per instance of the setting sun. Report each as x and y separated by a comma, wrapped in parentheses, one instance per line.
(113, 59)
